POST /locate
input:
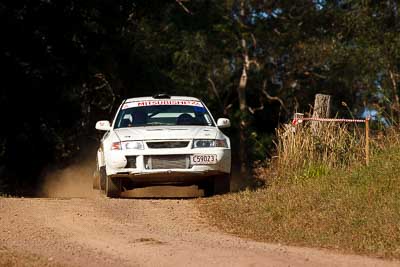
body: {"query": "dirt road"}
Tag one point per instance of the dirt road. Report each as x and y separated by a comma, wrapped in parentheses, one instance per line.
(136, 232)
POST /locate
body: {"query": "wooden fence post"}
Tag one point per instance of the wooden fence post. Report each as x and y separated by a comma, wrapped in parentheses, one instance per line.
(367, 140)
(322, 109)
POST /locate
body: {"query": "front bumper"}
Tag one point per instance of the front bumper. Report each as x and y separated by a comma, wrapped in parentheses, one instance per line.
(116, 165)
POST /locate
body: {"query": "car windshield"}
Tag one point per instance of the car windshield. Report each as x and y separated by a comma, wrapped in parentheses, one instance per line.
(155, 115)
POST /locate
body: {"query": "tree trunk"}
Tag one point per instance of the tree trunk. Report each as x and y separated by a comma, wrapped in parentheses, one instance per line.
(243, 110)
(395, 100)
(322, 109)
(241, 90)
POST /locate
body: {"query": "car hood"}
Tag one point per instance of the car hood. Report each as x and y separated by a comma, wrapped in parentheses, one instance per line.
(166, 133)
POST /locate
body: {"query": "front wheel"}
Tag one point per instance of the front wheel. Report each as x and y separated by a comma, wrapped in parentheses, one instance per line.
(113, 187)
(217, 185)
(222, 184)
(103, 178)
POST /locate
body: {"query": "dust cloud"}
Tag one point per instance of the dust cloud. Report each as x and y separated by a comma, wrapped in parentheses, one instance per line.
(73, 181)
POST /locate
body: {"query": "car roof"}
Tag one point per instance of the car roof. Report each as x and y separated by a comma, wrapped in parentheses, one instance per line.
(144, 98)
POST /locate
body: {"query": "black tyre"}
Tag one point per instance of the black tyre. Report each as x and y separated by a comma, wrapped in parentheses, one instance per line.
(113, 187)
(103, 179)
(208, 187)
(222, 184)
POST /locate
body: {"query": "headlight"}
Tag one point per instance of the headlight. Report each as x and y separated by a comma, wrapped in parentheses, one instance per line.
(202, 143)
(133, 145)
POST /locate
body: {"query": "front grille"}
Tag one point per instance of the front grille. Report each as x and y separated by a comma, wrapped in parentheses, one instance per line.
(168, 144)
(166, 162)
(130, 161)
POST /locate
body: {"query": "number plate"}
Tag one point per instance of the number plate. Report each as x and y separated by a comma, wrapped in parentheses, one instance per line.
(203, 159)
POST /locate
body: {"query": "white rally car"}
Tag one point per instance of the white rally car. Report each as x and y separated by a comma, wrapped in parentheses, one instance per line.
(163, 140)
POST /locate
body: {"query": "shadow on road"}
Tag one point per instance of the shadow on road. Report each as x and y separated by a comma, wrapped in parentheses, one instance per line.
(164, 191)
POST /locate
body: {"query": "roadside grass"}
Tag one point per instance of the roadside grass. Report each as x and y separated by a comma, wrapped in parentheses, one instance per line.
(349, 207)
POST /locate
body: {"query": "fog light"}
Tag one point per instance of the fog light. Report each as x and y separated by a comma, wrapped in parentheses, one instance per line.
(131, 162)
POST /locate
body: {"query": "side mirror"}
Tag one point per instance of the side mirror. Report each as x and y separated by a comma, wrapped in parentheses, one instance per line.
(223, 123)
(103, 125)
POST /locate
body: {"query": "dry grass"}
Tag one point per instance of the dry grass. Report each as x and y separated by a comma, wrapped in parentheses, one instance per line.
(335, 145)
(325, 196)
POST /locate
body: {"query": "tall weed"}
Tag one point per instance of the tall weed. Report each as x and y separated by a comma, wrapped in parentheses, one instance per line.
(316, 150)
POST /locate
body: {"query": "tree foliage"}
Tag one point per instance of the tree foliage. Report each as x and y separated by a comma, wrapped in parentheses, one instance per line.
(66, 64)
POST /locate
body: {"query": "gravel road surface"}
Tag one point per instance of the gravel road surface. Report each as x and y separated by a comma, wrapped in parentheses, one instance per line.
(96, 231)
